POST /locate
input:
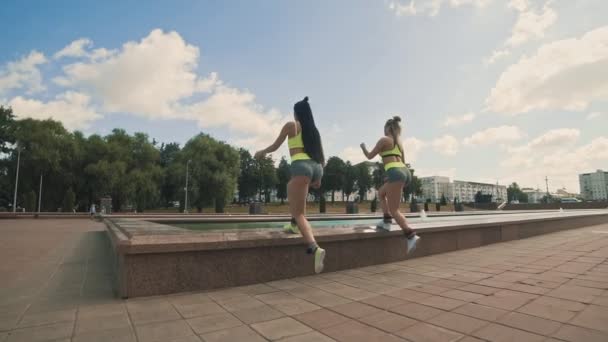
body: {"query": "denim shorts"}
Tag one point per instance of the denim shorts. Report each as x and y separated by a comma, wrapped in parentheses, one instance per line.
(308, 168)
(398, 174)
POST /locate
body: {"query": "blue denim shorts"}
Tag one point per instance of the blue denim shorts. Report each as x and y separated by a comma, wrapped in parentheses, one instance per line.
(308, 168)
(398, 174)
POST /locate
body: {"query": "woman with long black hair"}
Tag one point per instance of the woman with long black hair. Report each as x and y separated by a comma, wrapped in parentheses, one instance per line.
(307, 162)
(389, 147)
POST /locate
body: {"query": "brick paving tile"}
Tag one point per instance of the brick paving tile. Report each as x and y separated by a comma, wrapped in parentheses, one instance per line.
(144, 312)
(242, 333)
(164, 331)
(529, 323)
(602, 285)
(593, 317)
(209, 323)
(416, 311)
(554, 276)
(346, 291)
(471, 339)
(603, 301)
(431, 289)
(318, 297)
(408, 294)
(355, 309)
(483, 312)
(313, 336)
(198, 309)
(241, 303)
(320, 319)
(556, 309)
(257, 289)
(353, 331)
(484, 290)
(286, 303)
(577, 334)
(43, 333)
(574, 267)
(114, 335)
(388, 321)
(507, 300)
(384, 302)
(500, 333)
(462, 295)
(258, 314)
(285, 284)
(511, 276)
(280, 328)
(442, 302)
(44, 318)
(115, 321)
(576, 293)
(423, 332)
(495, 283)
(457, 322)
(540, 283)
(191, 338)
(446, 283)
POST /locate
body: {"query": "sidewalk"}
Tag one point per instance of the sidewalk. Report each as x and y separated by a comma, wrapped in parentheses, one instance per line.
(56, 287)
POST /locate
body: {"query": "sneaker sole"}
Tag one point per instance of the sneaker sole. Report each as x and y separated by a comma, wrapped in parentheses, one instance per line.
(320, 262)
(414, 245)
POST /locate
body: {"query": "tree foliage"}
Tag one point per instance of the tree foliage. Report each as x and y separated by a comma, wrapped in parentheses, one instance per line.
(514, 193)
(283, 175)
(334, 176)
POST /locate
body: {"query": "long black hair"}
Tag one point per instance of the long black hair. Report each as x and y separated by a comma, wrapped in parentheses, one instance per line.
(310, 133)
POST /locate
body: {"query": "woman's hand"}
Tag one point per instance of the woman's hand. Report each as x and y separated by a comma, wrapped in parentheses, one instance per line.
(260, 154)
(363, 147)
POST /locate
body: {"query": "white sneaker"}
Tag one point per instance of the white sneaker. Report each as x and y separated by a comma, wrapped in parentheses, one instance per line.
(319, 260)
(383, 225)
(411, 243)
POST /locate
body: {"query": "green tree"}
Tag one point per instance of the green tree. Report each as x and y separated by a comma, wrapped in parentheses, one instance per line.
(171, 186)
(7, 126)
(333, 176)
(514, 193)
(214, 170)
(414, 187)
(68, 200)
(363, 179)
(283, 175)
(378, 176)
(266, 176)
(29, 201)
(444, 201)
(247, 176)
(350, 178)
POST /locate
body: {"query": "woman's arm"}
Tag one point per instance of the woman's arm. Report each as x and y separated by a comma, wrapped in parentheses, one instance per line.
(374, 152)
(277, 143)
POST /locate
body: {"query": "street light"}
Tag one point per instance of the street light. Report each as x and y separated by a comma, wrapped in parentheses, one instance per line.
(186, 188)
(17, 178)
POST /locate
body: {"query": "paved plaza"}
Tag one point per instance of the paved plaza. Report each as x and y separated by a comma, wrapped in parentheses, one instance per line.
(57, 286)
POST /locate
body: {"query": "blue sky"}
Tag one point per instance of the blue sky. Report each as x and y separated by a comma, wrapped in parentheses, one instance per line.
(489, 90)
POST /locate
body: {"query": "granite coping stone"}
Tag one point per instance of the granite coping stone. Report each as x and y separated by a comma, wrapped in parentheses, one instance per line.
(137, 236)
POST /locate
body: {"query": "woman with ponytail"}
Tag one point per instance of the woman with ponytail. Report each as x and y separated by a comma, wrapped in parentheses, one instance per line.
(307, 162)
(397, 176)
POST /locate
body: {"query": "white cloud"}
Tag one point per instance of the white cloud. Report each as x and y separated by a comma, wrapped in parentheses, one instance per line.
(75, 49)
(73, 109)
(555, 155)
(594, 115)
(458, 120)
(531, 24)
(495, 135)
(567, 74)
(23, 74)
(496, 55)
(430, 7)
(156, 78)
(446, 145)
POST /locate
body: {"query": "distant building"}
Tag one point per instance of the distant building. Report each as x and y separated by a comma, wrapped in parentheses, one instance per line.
(594, 186)
(465, 191)
(434, 187)
(534, 195)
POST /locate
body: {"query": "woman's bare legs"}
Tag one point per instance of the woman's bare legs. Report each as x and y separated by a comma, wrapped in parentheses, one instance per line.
(393, 195)
(297, 190)
(382, 198)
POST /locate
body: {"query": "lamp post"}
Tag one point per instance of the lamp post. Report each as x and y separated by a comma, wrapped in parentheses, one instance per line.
(186, 188)
(17, 178)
